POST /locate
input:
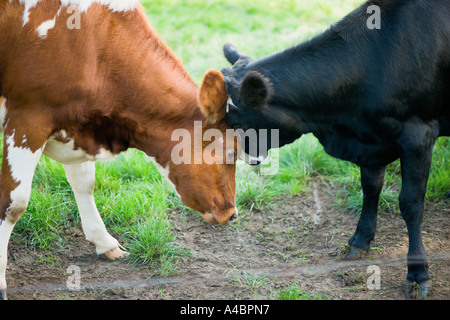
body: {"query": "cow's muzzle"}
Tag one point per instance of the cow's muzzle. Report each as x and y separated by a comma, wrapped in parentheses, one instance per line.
(214, 217)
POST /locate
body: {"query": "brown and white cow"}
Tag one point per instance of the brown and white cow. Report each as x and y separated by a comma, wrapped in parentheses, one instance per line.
(83, 93)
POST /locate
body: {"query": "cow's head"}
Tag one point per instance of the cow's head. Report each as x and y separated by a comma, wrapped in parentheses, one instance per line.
(251, 106)
(205, 178)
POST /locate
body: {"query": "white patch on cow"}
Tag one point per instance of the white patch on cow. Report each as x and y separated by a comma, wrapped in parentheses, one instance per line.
(102, 155)
(6, 228)
(62, 149)
(64, 152)
(3, 112)
(29, 4)
(42, 30)
(165, 173)
(45, 26)
(22, 162)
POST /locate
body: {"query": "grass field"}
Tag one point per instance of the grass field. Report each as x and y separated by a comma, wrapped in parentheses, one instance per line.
(135, 201)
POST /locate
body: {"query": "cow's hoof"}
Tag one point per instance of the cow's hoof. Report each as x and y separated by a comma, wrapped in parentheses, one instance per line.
(418, 291)
(3, 295)
(355, 253)
(116, 253)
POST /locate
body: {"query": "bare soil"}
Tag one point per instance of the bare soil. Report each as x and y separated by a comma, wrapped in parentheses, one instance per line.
(300, 239)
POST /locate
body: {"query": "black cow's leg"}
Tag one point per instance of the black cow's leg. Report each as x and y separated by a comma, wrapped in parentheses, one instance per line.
(372, 182)
(415, 159)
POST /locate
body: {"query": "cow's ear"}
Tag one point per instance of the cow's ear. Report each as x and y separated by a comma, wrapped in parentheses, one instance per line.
(231, 53)
(256, 89)
(234, 56)
(212, 96)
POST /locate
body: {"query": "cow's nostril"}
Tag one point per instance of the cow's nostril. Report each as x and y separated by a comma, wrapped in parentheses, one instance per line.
(233, 217)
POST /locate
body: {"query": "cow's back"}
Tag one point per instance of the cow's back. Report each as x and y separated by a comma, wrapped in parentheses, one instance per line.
(410, 66)
(9, 29)
(31, 53)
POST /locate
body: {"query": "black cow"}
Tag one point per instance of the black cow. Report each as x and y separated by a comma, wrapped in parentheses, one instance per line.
(369, 95)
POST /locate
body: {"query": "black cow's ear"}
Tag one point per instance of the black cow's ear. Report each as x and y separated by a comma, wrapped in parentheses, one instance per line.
(231, 53)
(235, 57)
(255, 89)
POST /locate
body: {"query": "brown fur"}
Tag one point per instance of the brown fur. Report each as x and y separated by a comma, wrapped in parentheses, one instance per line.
(113, 84)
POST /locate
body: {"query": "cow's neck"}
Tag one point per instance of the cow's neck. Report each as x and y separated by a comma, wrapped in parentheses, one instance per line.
(312, 82)
(156, 96)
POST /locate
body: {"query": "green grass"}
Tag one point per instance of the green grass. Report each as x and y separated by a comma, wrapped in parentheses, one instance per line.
(293, 292)
(134, 200)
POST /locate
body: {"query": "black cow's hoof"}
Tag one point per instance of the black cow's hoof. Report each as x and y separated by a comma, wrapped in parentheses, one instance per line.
(418, 291)
(355, 253)
(3, 295)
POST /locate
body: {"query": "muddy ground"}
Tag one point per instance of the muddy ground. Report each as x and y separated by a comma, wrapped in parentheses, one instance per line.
(299, 240)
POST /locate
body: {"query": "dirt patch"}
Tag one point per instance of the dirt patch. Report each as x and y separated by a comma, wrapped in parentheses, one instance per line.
(299, 240)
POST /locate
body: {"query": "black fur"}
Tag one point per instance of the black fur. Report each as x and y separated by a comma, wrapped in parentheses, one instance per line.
(369, 96)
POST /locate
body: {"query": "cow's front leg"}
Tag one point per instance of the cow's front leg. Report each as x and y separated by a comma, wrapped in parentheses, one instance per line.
(21, 154)
(372, 180)
(416, 153)
(82, 180)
